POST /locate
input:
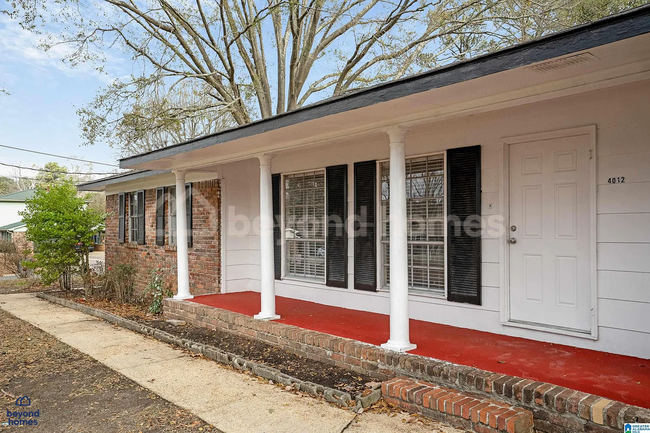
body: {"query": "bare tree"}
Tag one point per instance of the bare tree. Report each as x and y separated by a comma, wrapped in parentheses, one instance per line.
(252, 59)
(155, 116)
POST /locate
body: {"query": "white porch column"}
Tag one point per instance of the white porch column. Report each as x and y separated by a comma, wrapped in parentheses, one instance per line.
(267, 272)
(399, 296)
(181, 239)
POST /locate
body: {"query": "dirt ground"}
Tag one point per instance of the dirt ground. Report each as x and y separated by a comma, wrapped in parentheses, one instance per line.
(19, 285)
(73, 392)
(253, 350)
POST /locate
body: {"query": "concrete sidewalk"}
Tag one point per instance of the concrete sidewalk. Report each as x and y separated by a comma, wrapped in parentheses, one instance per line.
(231, 401)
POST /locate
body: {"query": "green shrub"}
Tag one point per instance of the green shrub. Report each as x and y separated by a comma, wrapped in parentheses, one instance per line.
(157, 290)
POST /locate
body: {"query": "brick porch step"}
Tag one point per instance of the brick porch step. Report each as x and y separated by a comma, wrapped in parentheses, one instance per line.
(461, 410)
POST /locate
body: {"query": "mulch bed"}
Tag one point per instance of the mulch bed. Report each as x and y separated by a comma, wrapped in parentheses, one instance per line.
(248, 348)
(73, 392)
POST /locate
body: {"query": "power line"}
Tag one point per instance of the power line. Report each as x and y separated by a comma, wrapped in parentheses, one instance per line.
(54, 171)
(57, 156)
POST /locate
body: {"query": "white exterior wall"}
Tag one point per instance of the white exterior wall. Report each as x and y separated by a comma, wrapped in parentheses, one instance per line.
(240, 196)
(622, 118)
(9, 212)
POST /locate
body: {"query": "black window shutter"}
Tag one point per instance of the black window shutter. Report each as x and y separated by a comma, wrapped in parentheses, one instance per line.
(160, 216)
(188, 212)
(120, 223)
(464, 224)
(336, 239)
(277, 215)
(141, 224)
(365, 251)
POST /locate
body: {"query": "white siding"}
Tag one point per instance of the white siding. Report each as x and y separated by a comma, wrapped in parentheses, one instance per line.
(9, 212)
(241, 257)
(623, 223)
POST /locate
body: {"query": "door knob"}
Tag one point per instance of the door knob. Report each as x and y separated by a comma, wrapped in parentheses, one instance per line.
(512, 240)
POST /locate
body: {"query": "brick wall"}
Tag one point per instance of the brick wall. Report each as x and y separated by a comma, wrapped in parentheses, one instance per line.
(555, 409)
(204, 255)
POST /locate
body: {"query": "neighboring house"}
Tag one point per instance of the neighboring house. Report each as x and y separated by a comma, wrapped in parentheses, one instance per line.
(11, 204)
(12, 227)
(16, 233)
(10, 231)
(509, 193)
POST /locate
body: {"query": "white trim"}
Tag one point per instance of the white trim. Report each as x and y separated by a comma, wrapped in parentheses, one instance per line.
(223, 224)
(552, 330)
(589, 130)
(283, 271)
(504, 252)
(161, 180)
(593, 132)
(283, 260)
(598, 80)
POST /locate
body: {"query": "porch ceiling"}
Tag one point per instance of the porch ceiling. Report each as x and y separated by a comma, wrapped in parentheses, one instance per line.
(614, 51)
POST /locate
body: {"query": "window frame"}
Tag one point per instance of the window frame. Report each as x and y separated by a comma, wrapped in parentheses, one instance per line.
(171, 212)
(133, 217)
(382, 286)
(284, 261)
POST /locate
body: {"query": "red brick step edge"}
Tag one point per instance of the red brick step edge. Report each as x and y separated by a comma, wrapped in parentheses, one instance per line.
(461, 410)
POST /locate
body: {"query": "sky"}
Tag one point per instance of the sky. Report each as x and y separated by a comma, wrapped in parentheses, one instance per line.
(40, 113)
(45, 93)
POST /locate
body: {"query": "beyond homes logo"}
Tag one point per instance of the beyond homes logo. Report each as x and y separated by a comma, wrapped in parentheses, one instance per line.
(23, 417)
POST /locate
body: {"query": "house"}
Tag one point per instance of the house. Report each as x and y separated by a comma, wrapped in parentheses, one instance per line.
(8, 231)
(509, 193)
(12, 228)
(13, 203)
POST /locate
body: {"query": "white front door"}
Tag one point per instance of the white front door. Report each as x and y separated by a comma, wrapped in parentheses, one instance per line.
(549, 232)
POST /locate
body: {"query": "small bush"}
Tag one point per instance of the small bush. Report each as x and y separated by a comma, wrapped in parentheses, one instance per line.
(15, 259)
(95, 281)
(157, 290)
(119, 283)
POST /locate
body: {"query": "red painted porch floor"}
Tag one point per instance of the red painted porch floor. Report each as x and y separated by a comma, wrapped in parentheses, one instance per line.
(617, 377)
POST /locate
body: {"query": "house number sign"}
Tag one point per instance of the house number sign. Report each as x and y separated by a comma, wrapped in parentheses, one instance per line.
(616, 180)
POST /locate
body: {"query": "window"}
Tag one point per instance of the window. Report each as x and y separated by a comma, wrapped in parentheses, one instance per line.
(133, 217)
(5, 235)
(172, 215)
(425, 211)
(121, 219)
(304, 225)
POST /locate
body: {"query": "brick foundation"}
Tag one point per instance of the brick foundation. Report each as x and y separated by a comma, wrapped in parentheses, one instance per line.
(458, 409)
(204, 256)
(555, 409)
